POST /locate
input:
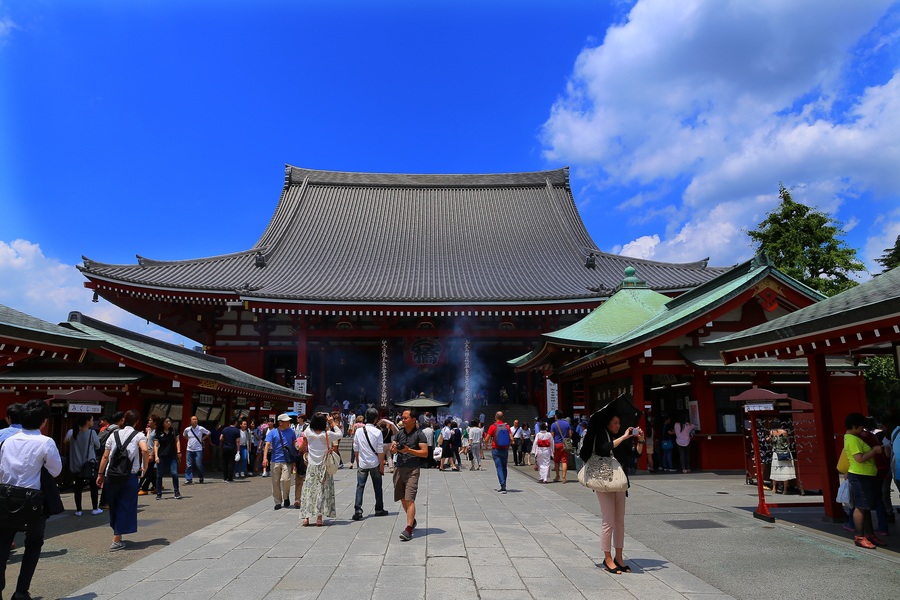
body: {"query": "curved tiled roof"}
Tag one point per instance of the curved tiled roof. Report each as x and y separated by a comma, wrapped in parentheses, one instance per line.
(400, 238)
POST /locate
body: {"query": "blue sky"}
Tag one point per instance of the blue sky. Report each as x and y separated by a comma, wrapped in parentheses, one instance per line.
(162, 128)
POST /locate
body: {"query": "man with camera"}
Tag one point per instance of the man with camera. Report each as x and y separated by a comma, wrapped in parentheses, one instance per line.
(411, 447)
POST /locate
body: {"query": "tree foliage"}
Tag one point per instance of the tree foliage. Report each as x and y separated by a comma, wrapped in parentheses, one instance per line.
(882, 388)
(806, 244)
(891, 256)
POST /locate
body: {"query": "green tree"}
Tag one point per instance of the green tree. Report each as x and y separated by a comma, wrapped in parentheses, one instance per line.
(805, 243)
(882, 388)
(891, 257)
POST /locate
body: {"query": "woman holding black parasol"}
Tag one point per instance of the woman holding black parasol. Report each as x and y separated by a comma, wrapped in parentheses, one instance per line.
(609, 433)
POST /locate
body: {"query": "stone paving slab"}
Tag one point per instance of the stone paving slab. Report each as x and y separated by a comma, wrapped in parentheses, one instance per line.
(470, 542)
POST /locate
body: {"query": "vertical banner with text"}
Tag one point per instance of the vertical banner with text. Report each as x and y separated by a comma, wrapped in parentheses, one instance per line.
(552, 397)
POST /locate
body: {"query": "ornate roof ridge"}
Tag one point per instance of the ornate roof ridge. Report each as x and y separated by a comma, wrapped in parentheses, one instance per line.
(143, 261)
(296, 175)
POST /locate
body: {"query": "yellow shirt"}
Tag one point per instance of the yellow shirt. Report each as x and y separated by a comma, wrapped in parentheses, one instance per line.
(854, 445)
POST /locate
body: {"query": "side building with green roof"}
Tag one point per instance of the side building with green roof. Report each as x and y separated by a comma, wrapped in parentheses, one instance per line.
(653, 347)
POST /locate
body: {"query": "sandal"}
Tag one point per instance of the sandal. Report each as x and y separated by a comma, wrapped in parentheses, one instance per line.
(862, 542)
(614, 570)
(319, 522)
(306, 522)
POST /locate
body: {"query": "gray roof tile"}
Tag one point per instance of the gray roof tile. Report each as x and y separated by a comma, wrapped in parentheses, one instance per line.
(878, 298)
(402, 238)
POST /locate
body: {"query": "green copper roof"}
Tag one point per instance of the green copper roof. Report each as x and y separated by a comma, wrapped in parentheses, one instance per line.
(626, 310)
(696, 304)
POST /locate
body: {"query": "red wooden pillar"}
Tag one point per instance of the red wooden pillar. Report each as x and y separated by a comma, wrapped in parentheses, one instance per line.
(322, 385)
(637, 384)
(302, 351)
(821, 400)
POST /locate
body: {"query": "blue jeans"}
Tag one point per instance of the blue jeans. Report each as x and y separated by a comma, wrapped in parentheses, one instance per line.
(361, 476)
(501, 457)
(194, 460)
(168, 465)
(242, 466)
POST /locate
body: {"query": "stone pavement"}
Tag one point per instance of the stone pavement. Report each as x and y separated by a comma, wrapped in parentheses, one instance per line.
(689, 536)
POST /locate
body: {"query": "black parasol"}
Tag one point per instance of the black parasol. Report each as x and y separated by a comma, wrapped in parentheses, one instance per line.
(624, 407)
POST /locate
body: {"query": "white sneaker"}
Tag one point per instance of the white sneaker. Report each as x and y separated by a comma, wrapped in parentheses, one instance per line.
(97, 511)
(77, 513)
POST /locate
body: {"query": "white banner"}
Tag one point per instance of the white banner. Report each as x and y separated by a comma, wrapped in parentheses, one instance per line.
(300, 408)
(93, 409)
(552, 397)
(300, 385)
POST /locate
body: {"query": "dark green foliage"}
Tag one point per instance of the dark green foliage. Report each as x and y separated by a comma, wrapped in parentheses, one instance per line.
(806, 244)
(882, 388)
(891, 257)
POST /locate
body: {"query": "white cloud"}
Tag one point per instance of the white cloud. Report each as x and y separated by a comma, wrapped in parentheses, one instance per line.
(643, 247)
(6, 27)
(723, 100)
(884, 239)
(46, 288)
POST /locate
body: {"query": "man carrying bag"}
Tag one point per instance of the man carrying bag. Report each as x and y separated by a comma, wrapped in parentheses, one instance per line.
(22, 456)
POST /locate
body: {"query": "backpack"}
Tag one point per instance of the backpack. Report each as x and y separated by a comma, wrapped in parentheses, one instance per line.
(120, 464)
(502, 436)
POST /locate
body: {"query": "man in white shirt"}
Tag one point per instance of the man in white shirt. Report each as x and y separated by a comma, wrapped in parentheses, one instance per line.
(428, 430)
(518, 434)
(196, 436)
(368, 443)
(21, 458)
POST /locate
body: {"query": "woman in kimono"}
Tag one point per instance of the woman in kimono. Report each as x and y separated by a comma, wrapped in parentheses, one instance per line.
(542, 450)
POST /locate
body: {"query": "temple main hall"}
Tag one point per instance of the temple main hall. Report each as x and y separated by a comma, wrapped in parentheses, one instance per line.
(372, 288)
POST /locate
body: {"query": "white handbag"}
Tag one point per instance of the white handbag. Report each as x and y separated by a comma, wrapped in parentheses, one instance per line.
(332, 463)
(603, 474)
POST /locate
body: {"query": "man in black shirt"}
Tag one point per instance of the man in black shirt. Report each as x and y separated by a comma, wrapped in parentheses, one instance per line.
(411, 447)
(228, 440)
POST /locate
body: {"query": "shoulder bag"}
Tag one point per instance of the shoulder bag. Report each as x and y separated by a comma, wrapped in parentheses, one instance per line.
(603, 474)
(89, 466)
(291, 454)
(331, 460)
(567, 441)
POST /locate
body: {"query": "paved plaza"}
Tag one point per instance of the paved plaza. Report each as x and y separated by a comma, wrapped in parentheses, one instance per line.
(688, 536)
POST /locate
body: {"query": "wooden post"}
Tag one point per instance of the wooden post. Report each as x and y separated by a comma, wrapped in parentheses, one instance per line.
(821, 401)
(187, 410)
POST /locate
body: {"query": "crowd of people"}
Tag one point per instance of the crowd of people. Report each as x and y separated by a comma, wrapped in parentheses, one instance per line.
(118, 460)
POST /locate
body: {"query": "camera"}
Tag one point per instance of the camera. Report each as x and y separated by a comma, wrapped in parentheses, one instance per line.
(400, 447)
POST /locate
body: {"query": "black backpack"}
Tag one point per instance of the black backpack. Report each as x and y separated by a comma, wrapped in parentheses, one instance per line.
(120, 464)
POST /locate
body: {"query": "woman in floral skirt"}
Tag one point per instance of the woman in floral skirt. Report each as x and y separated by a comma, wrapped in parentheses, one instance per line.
(317, 498)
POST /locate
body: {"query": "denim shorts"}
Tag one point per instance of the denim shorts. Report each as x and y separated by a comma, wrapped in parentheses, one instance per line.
(862, 488)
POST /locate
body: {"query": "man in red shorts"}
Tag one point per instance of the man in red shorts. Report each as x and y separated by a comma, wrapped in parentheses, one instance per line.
(561, 430)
